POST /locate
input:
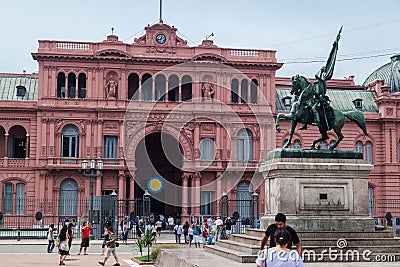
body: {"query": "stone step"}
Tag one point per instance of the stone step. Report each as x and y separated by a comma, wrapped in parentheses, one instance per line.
(239, 246)
(256, 240)
(328, 234)
(247, 239)
(230, 254)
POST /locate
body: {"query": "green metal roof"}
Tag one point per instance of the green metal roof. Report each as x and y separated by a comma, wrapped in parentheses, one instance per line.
(341, 99)
(9, 83)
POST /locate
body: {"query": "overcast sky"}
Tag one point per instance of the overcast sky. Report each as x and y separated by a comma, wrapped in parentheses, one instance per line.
(300, 31)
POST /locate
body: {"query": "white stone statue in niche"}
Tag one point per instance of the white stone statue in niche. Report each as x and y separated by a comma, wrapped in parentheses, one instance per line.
(111, 88)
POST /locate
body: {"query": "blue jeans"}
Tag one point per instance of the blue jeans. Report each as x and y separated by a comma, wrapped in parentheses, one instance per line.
(178, 238)
(50, 247)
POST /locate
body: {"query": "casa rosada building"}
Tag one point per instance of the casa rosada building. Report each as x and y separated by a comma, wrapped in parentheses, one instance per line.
(186, 123)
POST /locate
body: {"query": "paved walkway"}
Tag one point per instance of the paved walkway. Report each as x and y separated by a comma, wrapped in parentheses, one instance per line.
(26, 253)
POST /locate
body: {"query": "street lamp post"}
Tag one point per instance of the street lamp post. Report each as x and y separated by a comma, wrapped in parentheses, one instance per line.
(255, 198)
(224, 208)
(92, 174)
(114, 197)
(146, 204)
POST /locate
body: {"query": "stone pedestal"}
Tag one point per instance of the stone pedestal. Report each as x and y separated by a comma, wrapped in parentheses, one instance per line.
(318, 190)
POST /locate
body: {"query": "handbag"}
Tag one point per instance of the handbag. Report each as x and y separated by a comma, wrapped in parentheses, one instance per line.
(64, 245)
(57, 241)
(116, 244)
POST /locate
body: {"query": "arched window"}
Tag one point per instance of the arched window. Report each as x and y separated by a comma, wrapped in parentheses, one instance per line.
(173, 88)
(206, 151)
(244, 91)
(235, 91)
(70, 141)
(253, 91)
(244, 145)
(17, 141)
(322, 145)
(71, 85)
(82, 85)
(359, 147)
(68, 201)
(243, 200)
(3, 141)
(284, 142)
(296, 144)
(160, 87)
(61, 85)
(368, 152)
(147, 87)
(133, 86)
(186, 88)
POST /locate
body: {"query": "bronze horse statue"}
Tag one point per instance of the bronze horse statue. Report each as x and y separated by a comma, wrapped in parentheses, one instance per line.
(331, 118)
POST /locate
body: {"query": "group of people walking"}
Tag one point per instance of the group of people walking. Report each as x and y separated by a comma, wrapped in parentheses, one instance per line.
(280, 235)
(64, 241)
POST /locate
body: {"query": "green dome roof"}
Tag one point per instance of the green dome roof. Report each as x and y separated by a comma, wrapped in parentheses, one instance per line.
(389, 72)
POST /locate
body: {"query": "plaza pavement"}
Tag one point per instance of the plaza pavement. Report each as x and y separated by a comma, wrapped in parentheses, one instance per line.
(33, 253)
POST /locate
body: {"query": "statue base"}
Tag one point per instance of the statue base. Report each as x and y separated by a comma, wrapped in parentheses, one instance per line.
(318, 190)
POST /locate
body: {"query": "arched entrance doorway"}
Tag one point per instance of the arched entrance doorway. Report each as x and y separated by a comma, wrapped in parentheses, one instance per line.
(159, 157)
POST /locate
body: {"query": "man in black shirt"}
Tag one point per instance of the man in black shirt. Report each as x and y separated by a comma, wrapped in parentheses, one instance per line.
(280, 222)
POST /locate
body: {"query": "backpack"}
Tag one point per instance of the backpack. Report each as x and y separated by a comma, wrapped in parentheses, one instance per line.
(196, 230)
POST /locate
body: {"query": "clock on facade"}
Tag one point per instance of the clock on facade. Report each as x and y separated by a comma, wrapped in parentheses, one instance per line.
(160, 38)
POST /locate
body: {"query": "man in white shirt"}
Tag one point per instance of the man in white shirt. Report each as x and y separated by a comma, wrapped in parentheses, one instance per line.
(171, 224)
(219, 223)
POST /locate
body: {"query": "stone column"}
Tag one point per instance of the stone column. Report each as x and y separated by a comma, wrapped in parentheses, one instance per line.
(196, 137)
(153, 88)
(132, 185)
(98, 185)
(140, 89)
(122, 86)
(27, 146)
(66, 86)
(180, 90)
(196, 194)
(76, 86)
(185, 197)
(121, 186)
(6, 145)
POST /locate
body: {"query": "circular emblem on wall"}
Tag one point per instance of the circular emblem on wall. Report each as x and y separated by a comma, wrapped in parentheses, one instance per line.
(155, 184)
(160, 38)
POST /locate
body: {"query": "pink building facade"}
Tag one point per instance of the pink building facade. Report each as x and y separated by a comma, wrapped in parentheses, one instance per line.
(212, 109)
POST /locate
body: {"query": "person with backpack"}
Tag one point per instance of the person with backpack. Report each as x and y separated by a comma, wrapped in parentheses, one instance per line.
(196, 235)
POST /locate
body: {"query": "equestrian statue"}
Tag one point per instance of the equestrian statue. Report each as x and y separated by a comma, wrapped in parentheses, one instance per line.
(312, 105)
